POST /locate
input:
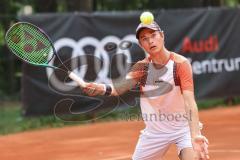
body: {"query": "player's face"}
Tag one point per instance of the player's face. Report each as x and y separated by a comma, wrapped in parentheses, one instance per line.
(151, 41)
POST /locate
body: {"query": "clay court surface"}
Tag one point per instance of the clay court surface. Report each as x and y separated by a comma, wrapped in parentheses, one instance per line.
(116, 140)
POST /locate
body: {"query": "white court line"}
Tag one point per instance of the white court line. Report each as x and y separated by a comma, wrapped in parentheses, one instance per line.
(225, 150)
(212, 150)
(119, 158)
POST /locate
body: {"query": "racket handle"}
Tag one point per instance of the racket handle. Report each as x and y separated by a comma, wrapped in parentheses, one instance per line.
(77, 79)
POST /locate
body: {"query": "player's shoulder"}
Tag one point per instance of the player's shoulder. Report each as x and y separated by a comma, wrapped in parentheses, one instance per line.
(182, 63)
(179, 58)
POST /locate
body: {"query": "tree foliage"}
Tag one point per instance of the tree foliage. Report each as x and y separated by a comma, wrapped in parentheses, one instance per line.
(13, 6)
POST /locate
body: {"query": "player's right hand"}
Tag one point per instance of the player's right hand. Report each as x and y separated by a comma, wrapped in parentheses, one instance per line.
(94, 89)
(200, 146)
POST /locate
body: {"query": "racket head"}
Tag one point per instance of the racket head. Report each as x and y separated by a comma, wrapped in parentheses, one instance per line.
(30, 43)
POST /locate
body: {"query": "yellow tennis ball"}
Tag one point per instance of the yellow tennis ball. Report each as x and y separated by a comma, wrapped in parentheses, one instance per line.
(146, 18)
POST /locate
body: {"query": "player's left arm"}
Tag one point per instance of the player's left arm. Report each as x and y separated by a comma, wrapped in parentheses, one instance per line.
(191, 107)
(200, 143)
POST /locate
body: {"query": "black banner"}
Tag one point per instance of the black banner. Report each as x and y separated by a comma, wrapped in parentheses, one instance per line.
(208, 37)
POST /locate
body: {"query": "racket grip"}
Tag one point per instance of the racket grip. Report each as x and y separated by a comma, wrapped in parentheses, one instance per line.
(77, 79)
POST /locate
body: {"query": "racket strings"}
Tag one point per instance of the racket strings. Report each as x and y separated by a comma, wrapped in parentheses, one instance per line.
(29, 44)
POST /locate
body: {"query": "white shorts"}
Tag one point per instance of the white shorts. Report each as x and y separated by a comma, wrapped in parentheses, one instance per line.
(154, 146)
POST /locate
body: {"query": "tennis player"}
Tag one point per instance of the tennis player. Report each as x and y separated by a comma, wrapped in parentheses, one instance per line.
(167, 100)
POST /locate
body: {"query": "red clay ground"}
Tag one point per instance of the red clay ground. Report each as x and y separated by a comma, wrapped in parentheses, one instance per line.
(116, 140)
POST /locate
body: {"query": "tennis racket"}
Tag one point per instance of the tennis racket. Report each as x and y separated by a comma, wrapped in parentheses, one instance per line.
(33, 46)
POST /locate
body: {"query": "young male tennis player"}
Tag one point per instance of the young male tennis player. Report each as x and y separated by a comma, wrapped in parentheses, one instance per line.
(167, 100)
